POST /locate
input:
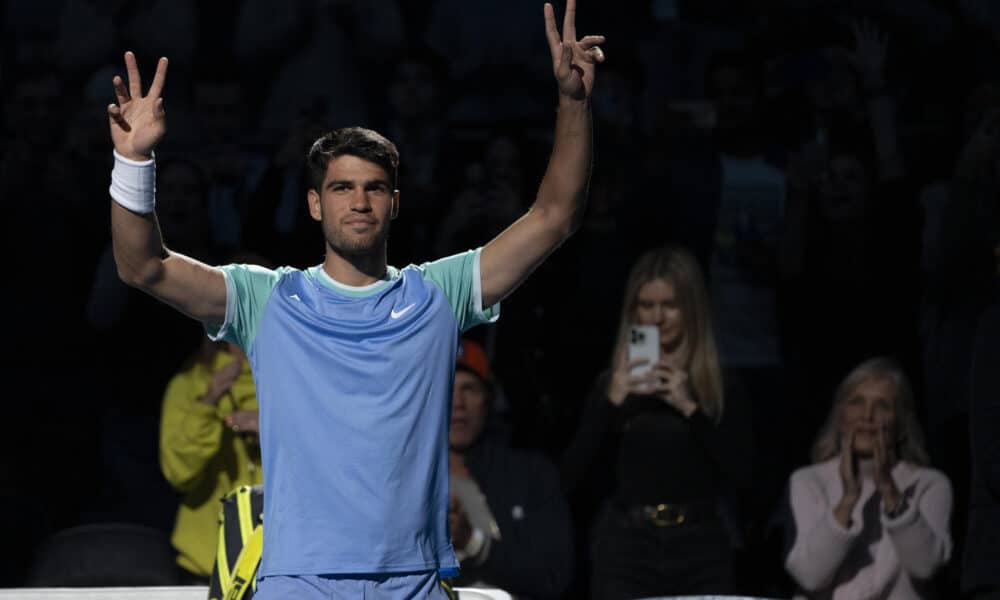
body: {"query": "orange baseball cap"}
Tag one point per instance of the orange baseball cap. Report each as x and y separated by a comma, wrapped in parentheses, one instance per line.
(471, 356)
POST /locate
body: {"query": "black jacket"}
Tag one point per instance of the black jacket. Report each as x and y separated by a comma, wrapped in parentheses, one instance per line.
(534, 557)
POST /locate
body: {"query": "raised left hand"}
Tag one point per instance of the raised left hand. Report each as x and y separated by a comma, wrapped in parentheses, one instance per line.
(885, 460)
(675, 387)
(573, 61)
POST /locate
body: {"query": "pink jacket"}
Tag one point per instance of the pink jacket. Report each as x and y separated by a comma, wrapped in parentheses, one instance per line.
(877, 557)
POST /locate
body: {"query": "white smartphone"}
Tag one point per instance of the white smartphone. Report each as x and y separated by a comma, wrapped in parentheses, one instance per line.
(644, 342)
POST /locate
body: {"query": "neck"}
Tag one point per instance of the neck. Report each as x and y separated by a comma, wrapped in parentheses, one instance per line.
(355, 270)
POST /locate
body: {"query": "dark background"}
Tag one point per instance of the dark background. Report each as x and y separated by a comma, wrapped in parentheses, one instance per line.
(465, 90)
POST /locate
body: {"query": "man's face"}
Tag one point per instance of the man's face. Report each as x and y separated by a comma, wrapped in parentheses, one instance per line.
(468, 410)
(355, 205)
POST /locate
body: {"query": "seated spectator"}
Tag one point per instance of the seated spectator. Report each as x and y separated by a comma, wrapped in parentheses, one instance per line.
(663, 531)
(532, 556)
(208, 446)
(870, 517)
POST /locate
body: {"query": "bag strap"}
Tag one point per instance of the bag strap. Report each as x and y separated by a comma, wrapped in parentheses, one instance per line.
(246, 565)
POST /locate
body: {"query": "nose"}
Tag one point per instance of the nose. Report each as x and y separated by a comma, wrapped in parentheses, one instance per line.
(360, 202)
(869, 411)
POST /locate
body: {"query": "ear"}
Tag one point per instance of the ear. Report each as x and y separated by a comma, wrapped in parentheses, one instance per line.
(315, 208)
(394, 207)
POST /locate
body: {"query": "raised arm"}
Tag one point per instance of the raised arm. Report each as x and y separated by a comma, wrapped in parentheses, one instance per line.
(558, 209)
(138, 123)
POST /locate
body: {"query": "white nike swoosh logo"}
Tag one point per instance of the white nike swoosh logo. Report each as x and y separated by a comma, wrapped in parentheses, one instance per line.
(395, 314)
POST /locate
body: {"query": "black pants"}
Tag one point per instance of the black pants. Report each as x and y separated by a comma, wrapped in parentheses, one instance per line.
(633, 559)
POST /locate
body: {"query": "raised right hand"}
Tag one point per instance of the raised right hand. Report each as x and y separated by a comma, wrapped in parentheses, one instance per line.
(138, 122)
(624, 383)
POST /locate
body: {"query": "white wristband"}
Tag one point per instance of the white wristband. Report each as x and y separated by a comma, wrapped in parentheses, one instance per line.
(133, 184)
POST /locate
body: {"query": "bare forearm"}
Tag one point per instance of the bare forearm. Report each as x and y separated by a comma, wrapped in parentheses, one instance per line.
(138, 245)
(563, 191)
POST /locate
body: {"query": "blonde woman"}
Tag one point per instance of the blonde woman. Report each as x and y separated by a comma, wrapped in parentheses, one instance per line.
(870, 517)
(660, 532)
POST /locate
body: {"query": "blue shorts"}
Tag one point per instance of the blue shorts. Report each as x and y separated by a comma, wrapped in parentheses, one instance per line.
(395, 586)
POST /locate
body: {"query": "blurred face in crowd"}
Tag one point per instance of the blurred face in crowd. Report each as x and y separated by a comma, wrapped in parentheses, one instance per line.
(844, 189)
(413, 91)
(867, 408)
(468, 409)
(355, 205)
(657, 304)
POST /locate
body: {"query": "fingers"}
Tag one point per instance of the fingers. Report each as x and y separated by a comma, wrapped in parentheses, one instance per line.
(134, 80)
(121, 93)
(158, 110)
(160, 78)
(551, 32)
(569, 22)
(115, 114)
(596, 54)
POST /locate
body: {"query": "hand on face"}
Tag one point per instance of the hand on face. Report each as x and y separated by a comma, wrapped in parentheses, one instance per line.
(885, 459)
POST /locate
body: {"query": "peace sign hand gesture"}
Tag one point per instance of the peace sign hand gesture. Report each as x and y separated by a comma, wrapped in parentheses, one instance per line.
(138, 122)
(573, 60)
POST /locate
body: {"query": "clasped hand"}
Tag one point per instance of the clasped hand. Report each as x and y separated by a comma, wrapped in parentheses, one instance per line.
(665, 380)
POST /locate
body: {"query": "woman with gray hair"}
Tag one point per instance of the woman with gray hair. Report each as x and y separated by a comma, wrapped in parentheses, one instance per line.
(870, 517)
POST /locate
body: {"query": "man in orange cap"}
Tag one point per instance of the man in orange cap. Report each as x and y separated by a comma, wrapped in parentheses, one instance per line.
(529, 549)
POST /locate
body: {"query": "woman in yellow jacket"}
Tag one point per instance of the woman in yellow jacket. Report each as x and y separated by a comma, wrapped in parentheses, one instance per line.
(208, 446)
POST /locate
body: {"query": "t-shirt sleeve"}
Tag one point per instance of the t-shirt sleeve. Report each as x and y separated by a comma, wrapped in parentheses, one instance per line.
(248, 288)
(458, 277)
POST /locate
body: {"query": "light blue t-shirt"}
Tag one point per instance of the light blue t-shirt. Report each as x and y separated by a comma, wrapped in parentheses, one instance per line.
(354, 386)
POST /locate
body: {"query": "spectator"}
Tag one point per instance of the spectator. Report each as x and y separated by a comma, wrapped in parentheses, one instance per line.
(208, 447)
(532, 558)
(870, 517)
(662, 532)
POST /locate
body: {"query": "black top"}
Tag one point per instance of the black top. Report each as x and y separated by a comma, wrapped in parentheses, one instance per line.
(661, 456)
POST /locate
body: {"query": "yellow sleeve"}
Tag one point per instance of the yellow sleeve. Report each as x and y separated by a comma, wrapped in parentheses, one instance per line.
(190, 432)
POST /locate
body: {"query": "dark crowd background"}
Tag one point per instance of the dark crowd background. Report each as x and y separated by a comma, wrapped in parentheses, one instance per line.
(466, 92)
